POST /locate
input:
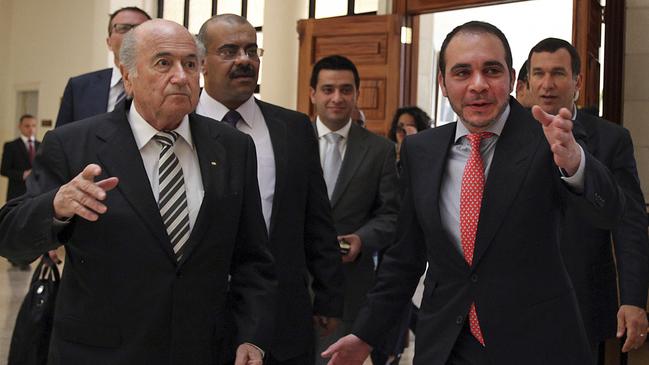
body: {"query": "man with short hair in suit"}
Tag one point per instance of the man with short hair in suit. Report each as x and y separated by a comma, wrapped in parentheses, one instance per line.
(522, 90)
(294, 200)
(159, 211)
(17, 157)
(360, 172)
(98, 92)
(483, 203)
(587, 250)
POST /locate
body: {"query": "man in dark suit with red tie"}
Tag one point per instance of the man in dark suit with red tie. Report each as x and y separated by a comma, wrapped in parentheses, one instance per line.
(17, 157)
(482, 208)
(158, 209)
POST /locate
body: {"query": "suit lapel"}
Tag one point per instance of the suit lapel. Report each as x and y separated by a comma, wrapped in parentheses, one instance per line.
(102, 91)
(279, 140)
(426, 180)
(355, 153)
(516, 144)
(22, 150)
(120, 157)
(211, 159)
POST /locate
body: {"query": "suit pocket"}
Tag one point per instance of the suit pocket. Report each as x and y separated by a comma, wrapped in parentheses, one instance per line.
(74, 330)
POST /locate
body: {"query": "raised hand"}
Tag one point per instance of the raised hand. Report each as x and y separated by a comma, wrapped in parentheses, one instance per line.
(82, 196)
(558, 132)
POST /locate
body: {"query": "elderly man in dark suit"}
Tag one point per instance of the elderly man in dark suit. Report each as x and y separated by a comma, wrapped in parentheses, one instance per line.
(159, 212)
(360, 173)
(98, 92)
(302, 237)
(482, 207)
(17, 157)
(590, 259)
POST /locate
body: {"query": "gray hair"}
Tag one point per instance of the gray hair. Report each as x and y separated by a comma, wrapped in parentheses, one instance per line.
(128, 51)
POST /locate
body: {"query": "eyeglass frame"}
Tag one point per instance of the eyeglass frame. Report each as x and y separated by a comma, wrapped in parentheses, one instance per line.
(125, 25)
(258, 52)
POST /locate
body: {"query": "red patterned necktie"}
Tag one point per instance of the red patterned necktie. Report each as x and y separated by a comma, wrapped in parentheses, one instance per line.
(470, 202)
(31, 150)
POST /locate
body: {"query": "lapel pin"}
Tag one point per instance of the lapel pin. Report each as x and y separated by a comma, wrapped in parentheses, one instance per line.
(213, 163)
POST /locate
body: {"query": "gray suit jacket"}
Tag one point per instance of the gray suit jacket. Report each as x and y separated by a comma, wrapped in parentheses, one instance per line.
(365, 201)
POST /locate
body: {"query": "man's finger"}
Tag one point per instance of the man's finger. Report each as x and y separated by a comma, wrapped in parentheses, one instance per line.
(108, 184)
(90, 171)
(539, 114)
(331, 349)
(621, 324)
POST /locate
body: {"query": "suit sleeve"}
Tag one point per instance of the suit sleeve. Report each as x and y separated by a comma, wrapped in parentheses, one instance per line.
(402, 266)
(253, 285)
(26, 223)
(602, 201)
(630, 236)
(321, 245)
(8, 167)
(66, 107)
(378, 232)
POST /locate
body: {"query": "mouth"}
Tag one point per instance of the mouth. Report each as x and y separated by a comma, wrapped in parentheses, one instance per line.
(479, 105)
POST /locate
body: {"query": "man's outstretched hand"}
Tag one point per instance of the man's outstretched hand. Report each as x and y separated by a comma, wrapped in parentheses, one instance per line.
(558, 132)
(349, 350)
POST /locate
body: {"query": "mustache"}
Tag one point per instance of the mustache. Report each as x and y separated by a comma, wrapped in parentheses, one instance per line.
(243, 70)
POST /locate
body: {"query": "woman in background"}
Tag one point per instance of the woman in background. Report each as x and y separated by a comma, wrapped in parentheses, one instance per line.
(407, 120)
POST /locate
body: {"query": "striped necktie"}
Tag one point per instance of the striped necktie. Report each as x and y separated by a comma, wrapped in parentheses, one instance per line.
(172, 199)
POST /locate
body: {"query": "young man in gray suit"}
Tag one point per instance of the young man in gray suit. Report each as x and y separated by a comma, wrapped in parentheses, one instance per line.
(360, 172)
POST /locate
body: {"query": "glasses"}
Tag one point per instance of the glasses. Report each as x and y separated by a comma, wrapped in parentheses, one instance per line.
(231, 53)
(122, 28)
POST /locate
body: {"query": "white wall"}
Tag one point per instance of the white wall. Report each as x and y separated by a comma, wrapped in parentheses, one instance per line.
(636, 88)
(281, 44)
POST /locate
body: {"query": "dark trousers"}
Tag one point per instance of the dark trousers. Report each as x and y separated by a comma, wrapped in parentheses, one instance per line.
(304, 359)
(467, 350)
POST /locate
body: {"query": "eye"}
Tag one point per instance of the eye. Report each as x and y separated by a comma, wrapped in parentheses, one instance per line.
(347, 90)
(493, 71)
(327, 90)
(163, 62)
(191, 64)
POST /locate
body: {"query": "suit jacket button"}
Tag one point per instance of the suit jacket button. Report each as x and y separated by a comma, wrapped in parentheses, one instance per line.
(459, 320)
(474, 278)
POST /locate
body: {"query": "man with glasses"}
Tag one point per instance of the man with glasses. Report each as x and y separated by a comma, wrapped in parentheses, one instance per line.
(99, 91)
(294, 198)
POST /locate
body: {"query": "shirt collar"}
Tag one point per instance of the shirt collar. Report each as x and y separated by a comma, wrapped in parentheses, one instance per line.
(26, 139)
(144, 132)
(248, 110)
(115, 77)
(495, 128)
(323, 130)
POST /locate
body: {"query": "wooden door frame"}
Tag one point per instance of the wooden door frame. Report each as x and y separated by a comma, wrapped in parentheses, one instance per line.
(614, 17)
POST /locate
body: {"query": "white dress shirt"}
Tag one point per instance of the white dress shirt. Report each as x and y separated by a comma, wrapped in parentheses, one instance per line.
(449, 201)
(253, 124)
(322, 142)
(26, 141)
(116, 88)
(184, 150)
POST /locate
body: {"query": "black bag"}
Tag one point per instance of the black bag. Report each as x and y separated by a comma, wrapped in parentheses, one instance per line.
(31, 338)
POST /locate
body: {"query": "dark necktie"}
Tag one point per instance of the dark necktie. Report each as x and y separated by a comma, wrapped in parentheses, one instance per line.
(172, 199)
(31, 150)
(232, 117)
(470, 202)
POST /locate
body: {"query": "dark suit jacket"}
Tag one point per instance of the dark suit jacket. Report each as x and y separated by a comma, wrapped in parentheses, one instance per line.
(85, 96)
(524, 299)
(302, 236)
(365, 201)
(587, 250)
(123, 298)
(15, 161)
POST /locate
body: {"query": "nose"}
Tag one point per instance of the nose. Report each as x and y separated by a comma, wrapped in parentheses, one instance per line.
(179, 76)
(478, 83)
(337, 96)
(547, 82)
